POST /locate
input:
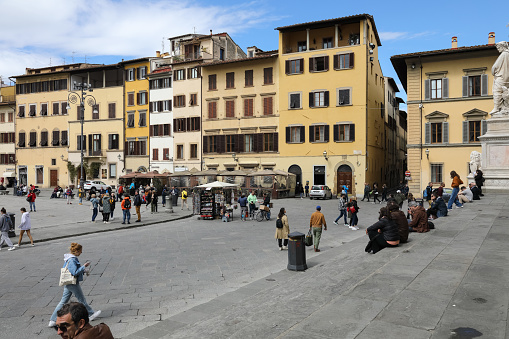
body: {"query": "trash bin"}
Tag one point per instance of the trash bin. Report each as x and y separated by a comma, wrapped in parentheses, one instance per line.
(296, 252)
(174, 198)
(12, 231)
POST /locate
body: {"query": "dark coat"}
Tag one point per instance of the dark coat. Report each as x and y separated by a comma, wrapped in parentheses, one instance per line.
(401, 221)
(419, 221)
(101, 331)
(476, 192)
(389, 229)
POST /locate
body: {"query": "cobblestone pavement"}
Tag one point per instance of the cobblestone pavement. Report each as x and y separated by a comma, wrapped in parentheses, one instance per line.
(147, 274)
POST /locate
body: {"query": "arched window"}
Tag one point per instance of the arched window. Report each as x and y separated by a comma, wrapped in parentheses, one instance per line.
(44, 138)
(55, 139)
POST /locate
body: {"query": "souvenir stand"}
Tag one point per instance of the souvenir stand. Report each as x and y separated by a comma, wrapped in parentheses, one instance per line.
(237, 177)
(279, 184)
(215, 199)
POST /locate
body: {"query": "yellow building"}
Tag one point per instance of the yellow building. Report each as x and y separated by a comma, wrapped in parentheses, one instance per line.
(7, 134)
(103, 124)
(449, 95)
(42, 128)
(240, 115)
(136, 114)
(331, 105)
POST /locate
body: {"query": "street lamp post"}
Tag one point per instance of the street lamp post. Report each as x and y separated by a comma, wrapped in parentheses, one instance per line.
(13, 161)
(74, 98)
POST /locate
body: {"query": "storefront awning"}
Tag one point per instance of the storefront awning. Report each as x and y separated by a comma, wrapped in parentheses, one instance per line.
(9, 175)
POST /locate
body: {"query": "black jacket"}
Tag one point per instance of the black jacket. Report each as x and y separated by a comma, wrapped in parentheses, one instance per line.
(389, 229)
(476, 192)
(439, 205)
(137, 200)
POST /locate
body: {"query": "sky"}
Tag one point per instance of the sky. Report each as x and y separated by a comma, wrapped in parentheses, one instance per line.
(35, 33)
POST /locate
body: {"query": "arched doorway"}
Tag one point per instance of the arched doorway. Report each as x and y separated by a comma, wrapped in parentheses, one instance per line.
(344, 177)
(295, 169)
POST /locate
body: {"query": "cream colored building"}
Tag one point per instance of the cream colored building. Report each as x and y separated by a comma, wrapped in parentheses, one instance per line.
(7, 134)
(449, 97)
(240, 112)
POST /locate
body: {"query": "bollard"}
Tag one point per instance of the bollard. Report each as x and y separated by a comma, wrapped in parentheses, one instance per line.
(296, 252)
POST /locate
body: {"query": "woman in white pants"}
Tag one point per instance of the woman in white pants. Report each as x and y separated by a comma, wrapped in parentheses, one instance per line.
(25, 226)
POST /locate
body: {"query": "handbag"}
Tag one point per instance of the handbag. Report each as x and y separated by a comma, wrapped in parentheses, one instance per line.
(309, 239)
(29, 198)
(66, 278)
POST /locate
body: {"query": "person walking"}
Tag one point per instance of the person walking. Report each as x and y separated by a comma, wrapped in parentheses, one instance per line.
(5, 226)
(367, 189)
(479, 180)
(24, 226)
(282, 229)
(342, 209)
(153, 203)
(73, 265)
(243, 207)
(106, 208)
(31, 200)
(126, 209)
(428, 192)
(137, 204)
(184, 199)
(132, 188)
(164, 193)
(315, 223)
(120, 192)
(95, 206)
(354, 218)
(68, 195)
(375, 194)
(384, 192)
(456, 182)
(251, 200)
(81, 195)
(266, 203)
(299, 190)
(113, 201)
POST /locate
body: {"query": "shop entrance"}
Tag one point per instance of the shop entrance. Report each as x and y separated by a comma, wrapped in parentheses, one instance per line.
(319, 175)
(295, 169)
(344, 177)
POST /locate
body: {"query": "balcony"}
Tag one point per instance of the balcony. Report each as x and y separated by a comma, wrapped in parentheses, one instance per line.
(7, 98)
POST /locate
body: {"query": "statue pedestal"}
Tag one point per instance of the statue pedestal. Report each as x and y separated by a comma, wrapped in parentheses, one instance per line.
(470, 178)
(495, 155)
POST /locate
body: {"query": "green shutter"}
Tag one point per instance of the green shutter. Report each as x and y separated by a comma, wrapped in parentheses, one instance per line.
(426, 89)
(427, 133)
(445, 131)
(484, 84)
(465, 86)
(465, 132)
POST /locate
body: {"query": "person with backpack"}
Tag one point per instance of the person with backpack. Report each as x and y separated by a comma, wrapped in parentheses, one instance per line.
(137, 203)
(456, 182)
(120, 192)
(5, 226)
(367, 189)
(153, 202)
(164, 193)
(184, 199)
(31, 200)
(113, 200)
(342, 209)
(126, 209)
(106, 208)
(353, 209)
(428, 191)
(95, 206)
(243, 207)
(282, 229)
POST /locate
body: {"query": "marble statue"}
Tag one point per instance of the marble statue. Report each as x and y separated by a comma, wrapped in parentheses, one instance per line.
(475, 162)
(500, 71)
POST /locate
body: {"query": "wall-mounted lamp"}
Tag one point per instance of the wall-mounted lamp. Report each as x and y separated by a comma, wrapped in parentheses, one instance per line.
(325, 155)
(413, 66)
(372, 45)
(119, 157)
(62, 157)
(234, 156)
(371, 59)
(427, 153)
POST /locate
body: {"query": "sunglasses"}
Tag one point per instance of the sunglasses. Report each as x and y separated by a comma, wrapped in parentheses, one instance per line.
(62, 327)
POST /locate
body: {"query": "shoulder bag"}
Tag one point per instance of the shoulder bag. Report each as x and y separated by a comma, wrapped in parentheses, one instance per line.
(66, 278)
(309, 238)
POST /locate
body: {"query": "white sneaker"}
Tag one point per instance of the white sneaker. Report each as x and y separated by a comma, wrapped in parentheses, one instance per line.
(52, 323)
(95, 315)
(355, 228)
(335, 223)
(12, 248)
(285, 247)
(281, 248)
(16, 245)
(348, 225)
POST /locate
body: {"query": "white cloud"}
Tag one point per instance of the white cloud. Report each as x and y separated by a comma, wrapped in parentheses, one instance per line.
(35, 31)
(385, 36)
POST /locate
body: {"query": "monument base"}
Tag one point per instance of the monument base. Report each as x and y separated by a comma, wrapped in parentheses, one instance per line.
(495, 154)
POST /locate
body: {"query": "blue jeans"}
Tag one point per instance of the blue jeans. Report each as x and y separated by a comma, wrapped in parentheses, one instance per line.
(111, 214)
(32, 205)
(354, 220)
(127, 214)
(342, 214)
(453, 198)
(80, 199)
(94, 214)
(66, 296)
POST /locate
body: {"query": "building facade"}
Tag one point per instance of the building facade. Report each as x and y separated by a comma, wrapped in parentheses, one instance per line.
(449, 97)
(331, 104)
(7, 135)
(240, 112)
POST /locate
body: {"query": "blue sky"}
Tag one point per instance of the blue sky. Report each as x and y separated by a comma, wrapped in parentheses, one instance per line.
(39, 33)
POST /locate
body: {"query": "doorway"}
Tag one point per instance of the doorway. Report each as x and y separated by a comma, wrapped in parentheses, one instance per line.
(53, 178)
(319, 175)
(344, 177)
(295, 169)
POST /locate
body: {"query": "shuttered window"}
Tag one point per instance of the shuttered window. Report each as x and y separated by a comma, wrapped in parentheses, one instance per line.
(475, 85)
(212, 82)
(56, 107)
(294, 66)
(267, 76)
(343, 61)
(212, 109)
(230, 108)
(319, 99)
(44, 109)
(111, 110)
(248, 107)
(166, 154)
(55, 138)
(344, 132)
(64, 140)
(33, 139)
(130, 119)
(436, 132)
(344, 96)
(81, 142)
(268, 106)
(319, 64)
(179, 101)
(155, 154)
(113, 141)
(21, 139)
(249, 78)
(193, 101)
(143, 119)
(63, 106)
(230, 80)
(21, 111)
(319, 133)
(295, 134)
(32, 108)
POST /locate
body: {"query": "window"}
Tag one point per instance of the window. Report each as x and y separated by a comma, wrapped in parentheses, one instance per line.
(113, 170)
(159, 130)
(130, 99)
(44, 109)
(474, 131)
(111, 110)
(95, 112)
(96, 144)
(437, 172)
(39, 175)
(179, 74)
(179, 125)
(130, 119)
(210, 144)
(354, 39)
(295, 134)
(212, 109)
(166, 154)
(142, 72)
(194, 124)
(53, 162)
(344, 132)
(319, 133)
(10, 117)
(142, 98)
(194, 100)
(249, 143)
(63, 136)
(56, 107)
(142, 146)
(319, 99)
(327, 43)
(294, 100)
(212, 82)
(436, 88)
(143, 119)
(344, 96)
(294, 66)
(2, 117)
(166, 105)
(302, 46)
(32, 110)
(193, 151)
(21, 111)
(248, 107)
(249, 78)
(33, 139)
(193, 73)
(343, 61)
(113, 141)
(21, 139)
(221, 54)
(267, 76)
(155, 154)
(136, 147)
(230, 80)
(319, 64)
(230, 143)
(179, 100)
(436, 132)
(475, 85)
(230, 108)
(268, 105)
(55, 138)
(130, 74)
(81, 142)
(63, 106)
(269, 142)
(180, 151)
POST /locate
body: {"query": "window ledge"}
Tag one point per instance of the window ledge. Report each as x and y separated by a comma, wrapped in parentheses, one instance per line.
(296, 142)
(295, 73)
(343, 69)
(294, 109)
(228, 88)
(343, 141)
(271, 84)
(319, 71)
(319, 107)
(318, 142)
(344, 105)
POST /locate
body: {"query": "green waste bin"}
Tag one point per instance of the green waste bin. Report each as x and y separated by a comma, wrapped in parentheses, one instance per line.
(296, 252)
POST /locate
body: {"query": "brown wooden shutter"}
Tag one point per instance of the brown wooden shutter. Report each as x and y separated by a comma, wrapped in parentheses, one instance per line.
(311, 64)
(64, 141)
(56, 138)
(287, 67)
(160, 130)
(311, 99)
(311, 133)
(336, 61)
(55, 108)
(326, 62)
(335, 132)
(205, 144)
(351, 60)
(352, 132)
(276, 142)
(90, 144)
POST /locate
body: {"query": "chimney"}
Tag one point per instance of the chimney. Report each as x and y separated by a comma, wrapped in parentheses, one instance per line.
(158, 54)
(210, 32)
(491, 38)
(454, 42)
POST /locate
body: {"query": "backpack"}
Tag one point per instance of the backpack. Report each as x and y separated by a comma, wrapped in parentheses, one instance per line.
(425, 193)
(127, 204)
(184, 194)
(279, 223)
(112, 201)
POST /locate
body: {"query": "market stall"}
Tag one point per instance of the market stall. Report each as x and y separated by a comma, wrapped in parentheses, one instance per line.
(205, 177)
(215, 199)
(237, 177)
(154, 178)
(183, 179)
(279, 184)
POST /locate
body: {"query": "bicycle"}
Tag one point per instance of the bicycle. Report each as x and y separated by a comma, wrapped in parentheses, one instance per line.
(261, 215)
